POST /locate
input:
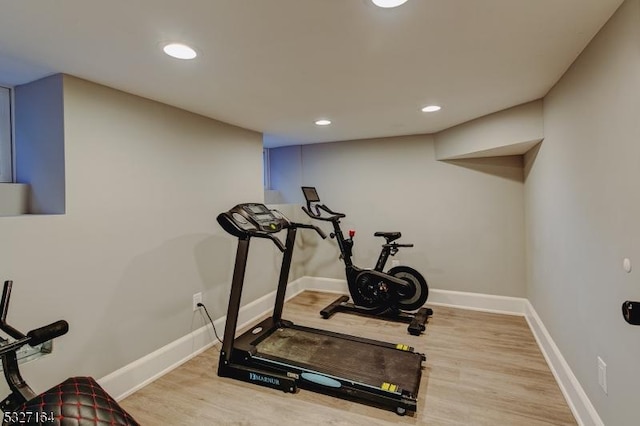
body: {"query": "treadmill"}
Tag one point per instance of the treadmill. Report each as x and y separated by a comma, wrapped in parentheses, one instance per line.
(279, 354)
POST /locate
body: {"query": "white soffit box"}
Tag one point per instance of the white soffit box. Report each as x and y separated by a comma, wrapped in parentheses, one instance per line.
(513, 131)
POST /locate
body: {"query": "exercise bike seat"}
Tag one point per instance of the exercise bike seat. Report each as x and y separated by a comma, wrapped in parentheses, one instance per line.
(389, 236)
(78, 401)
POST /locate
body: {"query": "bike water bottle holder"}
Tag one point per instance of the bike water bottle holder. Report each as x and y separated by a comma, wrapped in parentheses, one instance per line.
(348, 247)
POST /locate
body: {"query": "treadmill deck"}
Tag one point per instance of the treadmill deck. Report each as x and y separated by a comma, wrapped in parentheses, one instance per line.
(369, 364)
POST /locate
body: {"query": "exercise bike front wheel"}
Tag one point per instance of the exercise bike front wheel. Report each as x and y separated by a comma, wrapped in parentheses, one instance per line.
(418, 291)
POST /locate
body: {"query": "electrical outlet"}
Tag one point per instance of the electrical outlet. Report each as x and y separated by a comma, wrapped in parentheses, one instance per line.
(197, 298)
(395, 263)
(602, 374)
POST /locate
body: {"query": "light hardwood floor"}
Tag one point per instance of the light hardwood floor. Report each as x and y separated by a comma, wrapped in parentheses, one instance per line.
(481, 369)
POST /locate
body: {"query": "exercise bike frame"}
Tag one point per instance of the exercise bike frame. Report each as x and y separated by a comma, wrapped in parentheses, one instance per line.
(20, 390)
(77, 400)
(416, 320)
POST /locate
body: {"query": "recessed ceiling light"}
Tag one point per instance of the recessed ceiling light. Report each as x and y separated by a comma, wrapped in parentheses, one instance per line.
(431, 108)
(388, 3)
(323, 122)
(180, 51)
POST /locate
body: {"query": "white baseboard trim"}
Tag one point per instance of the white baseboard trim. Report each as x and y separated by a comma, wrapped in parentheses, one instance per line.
(457, 299)
(582, 408)
(478, 302)
(134, 376)
(325, 285)
(141, 372)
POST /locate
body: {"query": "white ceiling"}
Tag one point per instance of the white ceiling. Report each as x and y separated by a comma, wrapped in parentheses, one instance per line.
(275, 66)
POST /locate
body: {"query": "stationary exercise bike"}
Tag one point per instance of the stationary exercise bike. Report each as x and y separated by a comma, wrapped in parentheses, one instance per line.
(389, 295)
(78, 401)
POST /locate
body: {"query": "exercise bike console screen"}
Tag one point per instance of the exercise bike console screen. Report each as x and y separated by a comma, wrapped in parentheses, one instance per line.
(310, 194)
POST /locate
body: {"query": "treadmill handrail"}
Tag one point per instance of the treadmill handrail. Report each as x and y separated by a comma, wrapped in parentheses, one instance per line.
(275, 240)
(309, 226)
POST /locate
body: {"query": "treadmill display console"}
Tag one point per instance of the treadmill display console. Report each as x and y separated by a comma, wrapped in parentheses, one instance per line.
(251, 219)
(262, 217)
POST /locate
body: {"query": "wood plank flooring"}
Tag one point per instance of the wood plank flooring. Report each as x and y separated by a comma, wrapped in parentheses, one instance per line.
(481, 369)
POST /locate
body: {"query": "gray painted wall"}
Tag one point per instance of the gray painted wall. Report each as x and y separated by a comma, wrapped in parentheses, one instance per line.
(39, 144)
(286, 173)
(582, 210)
(465, 218)
(145, 182)
(6, 156)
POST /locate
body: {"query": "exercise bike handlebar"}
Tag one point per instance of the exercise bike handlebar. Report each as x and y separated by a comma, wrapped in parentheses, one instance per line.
(33, 337)
(309, 210)
(48, 332)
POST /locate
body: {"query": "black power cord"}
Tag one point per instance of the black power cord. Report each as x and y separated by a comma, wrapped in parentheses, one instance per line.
(200, 305)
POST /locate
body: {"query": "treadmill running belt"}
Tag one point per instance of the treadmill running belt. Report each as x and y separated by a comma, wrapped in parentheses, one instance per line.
(334, 356)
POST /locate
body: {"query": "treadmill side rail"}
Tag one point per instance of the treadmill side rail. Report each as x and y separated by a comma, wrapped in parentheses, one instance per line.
(257, 377)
